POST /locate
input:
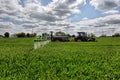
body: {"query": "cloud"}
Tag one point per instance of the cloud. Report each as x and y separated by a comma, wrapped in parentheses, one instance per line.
(10, 7)
(6, 26)
(101, 24)
(24, 15)
(27, 14)
(30, 26)
(111, 12)
(55, 11)
(103, 21)
(105, 5)
(85, 18)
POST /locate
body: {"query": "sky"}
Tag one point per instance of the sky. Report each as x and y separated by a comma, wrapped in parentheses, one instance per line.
(70, 16)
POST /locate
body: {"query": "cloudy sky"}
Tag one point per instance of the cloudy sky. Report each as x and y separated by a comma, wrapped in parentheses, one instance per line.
(70, 16)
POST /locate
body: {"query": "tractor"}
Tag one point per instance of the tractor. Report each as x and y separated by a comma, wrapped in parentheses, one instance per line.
(82, 36)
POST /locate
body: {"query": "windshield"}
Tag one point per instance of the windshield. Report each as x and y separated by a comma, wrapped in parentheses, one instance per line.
(82, 34)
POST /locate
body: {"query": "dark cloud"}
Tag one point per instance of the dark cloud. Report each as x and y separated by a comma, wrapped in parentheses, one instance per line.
(113, 21)
(70, 1)
(29, 26)
(45, 17)
(105, 5)
(62, 12)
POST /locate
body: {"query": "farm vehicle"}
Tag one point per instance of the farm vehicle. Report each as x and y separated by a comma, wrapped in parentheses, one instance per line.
(60, 38)
(42, 38)
(82, 36)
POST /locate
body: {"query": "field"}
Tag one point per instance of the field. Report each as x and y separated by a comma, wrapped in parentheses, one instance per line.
(60, 60)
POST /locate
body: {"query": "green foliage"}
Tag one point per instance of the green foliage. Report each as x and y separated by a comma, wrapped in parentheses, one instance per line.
(116, 35)
(22, 34)
(60, 33)
(28, 34)
(33, 35)
(103, 35)
(73, 36)
(91, 35)
(60, 60)
(68, 35)
(7, 34)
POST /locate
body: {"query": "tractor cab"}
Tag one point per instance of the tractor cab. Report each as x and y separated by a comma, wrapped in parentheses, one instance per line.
(82, 34)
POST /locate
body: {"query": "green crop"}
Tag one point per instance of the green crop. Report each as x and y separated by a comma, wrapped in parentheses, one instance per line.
(60, 60)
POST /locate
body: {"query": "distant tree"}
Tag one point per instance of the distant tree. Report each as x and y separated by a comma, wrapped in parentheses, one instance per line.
(33, 35)
(28, 34)
(60, 33)
(45, 34)
(1, 36)
(7, 34)
(103, 35)
(116, 35)
(51, 35)
(68, 35)
(73, 35)
(22, 34)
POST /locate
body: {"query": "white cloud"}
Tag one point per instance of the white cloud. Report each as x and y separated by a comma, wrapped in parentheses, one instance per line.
(6, 26)
(101, 25)
(30, 13)
(85, 18)
(18, 18)
(10, 7)
(111, 12)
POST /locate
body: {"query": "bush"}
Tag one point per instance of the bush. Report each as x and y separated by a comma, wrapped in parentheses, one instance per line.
(22, 34)
(7, 34)
(116, 35)
(28, 35)
(73, 35)
(60, 33)
(103, 35)
(91, 35)
(33, 35)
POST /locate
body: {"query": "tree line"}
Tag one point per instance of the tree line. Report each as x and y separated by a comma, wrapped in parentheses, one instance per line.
(114, 35)
(23, 34)
(20, 35)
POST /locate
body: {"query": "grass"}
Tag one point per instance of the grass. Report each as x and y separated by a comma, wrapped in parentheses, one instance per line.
(60, 60)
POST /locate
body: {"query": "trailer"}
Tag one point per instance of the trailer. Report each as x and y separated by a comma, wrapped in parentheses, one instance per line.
(60, 38)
